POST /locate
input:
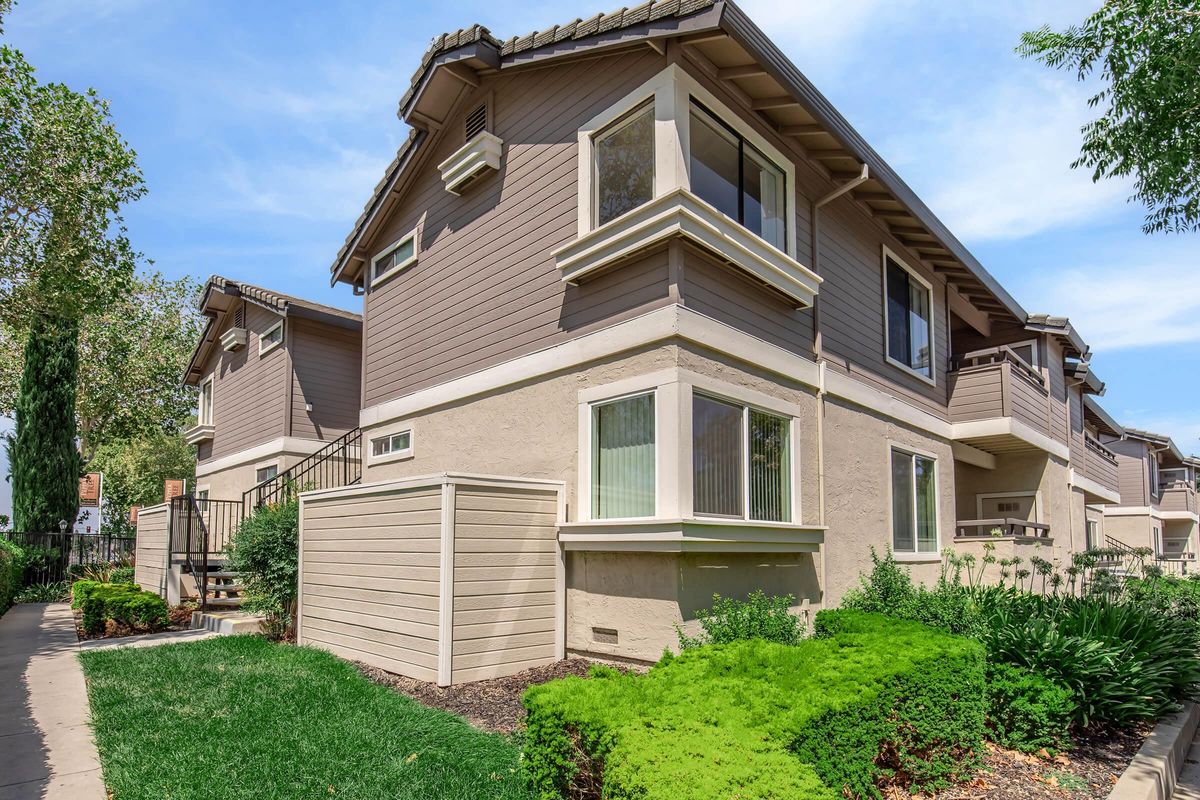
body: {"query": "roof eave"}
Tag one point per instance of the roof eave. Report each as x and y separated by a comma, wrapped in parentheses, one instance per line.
(1114, 428)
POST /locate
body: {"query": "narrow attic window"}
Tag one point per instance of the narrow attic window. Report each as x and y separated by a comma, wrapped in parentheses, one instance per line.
(476, 122)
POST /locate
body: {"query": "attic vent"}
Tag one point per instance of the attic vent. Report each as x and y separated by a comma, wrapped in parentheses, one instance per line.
(239, 317)
(476, 122)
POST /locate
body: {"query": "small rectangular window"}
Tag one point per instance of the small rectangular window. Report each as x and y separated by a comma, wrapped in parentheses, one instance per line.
(266, 473)
(623, 454)
(623, 156)
(392, 444)
(741, 461)
(909, 325)
(914, 503)
(271, 338)
(204, 415)
(394, 257)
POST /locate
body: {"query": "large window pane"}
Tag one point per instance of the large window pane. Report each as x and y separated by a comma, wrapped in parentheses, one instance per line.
(770, 468)
(714, 164)
(898, 300)
(762, 198)
(903, 536)
(908, 319)
(716, 457)
(624, 156)
(926, 499)
(623, 458)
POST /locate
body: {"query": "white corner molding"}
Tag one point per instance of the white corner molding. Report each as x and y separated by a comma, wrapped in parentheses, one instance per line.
(199, 433)
(233, 339)
(690, 536)
(1094, 488)
(681, 213)
(482, 152)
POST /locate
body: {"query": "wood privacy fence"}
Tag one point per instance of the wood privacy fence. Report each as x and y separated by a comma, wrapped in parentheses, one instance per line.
(54, 556)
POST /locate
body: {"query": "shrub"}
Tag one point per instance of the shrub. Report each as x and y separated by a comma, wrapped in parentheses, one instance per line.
(121, 602)
(889, 589)
(265, 553)
(44, 593)
(12, 567)
(1026, 711)
(121, 575)
(756, 617)
(872, 700)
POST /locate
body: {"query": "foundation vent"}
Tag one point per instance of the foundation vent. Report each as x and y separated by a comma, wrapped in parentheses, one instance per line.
(604, 635)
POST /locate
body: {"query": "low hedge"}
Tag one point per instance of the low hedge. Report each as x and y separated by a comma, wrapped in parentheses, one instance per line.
(124, 603)
(12, 566)
(869, 700)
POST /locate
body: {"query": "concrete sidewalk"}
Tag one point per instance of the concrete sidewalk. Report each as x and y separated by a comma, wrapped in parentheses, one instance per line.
(1188, 787)
(46, 747)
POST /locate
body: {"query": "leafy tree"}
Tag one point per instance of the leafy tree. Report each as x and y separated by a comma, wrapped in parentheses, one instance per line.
(42, 456)
(1147, 53)
(134, 471)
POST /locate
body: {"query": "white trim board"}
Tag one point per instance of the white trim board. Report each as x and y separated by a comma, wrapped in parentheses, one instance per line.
(276, 447)
(1092, 487)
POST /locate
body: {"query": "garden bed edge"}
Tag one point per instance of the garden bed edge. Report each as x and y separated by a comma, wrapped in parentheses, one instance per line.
(1154, 770)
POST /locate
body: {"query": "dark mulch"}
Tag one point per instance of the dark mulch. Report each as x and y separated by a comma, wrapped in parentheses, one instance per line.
(1088, 770)
(179, 619)
(493, 705)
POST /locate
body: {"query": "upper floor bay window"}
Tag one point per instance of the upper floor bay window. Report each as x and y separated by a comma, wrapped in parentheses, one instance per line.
(624, 164)
(914, 503)
(741, 461)
(736, 178)
(908, 309)
(623, 458)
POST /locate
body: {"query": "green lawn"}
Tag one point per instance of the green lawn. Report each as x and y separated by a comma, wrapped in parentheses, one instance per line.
(238, 717)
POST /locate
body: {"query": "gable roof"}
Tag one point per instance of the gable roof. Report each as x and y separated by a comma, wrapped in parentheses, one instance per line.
(1062, 329)
(472, 52)
(1157, 439)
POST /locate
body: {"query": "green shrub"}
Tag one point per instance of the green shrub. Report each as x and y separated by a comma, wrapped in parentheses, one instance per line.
(12, 567)
(265, 553)
(756, 617)
(121, 575)
(889, 589)
(871, 700)
(44, 593)
(121, 602)
(1026, 711)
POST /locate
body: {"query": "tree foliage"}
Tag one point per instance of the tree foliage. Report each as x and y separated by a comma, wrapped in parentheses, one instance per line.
(134, 471)
(1147, 54)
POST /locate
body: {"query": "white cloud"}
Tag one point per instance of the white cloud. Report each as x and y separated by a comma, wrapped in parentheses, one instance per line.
(997, 164)
(1128, 306)
(823, 31)
(1183, 429)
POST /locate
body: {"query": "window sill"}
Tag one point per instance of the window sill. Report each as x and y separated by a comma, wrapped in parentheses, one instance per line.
(199, 433)
(691, 536)
(387, 458)
(917, 558)
(681, 213)
(262, 351)
(905, 368)
(464, 164)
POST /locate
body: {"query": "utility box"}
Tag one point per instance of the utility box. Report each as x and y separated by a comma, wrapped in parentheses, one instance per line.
(448, 578)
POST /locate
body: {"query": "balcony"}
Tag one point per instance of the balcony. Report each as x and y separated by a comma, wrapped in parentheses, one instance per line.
(1001, 528)
(998, 403)
(1177, 496)
(1096, 473)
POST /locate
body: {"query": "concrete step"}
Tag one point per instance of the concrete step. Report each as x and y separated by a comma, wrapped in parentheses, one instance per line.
(226, 621)
(225, 602)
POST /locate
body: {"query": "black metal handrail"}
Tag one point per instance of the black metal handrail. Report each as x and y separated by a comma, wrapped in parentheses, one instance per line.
(338, 463)
(201, 528)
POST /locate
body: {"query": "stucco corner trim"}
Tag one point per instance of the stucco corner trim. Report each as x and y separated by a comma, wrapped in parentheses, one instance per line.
(482, 152)
(681, 213)
(691, 535)
(1094, 488)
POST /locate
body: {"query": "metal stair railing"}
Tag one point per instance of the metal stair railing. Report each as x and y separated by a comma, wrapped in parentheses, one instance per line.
(338, 463)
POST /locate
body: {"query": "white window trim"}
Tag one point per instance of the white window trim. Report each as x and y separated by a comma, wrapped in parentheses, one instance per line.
(916, 557)
(673, 441)
(395, 268)
(673, 90)
(1035, 494)
(396, 455)
(210, 382)
(931, 378)
(1036, 366)
(264, 349)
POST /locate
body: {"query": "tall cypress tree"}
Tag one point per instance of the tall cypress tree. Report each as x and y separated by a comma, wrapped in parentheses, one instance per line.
(44, 460)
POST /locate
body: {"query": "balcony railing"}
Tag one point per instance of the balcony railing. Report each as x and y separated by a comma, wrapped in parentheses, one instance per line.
(1003, 527)
(1179, 495)
(1100, 464)
(995, 382)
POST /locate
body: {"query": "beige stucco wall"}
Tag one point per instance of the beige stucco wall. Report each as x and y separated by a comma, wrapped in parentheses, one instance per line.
(1133, 530)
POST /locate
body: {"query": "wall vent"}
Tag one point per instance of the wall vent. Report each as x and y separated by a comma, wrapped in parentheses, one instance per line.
(239, 317)
(604, 635)
(476, 122)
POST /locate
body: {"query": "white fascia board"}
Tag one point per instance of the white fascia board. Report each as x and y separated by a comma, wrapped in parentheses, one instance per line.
(276, 447)
(1094, 488)
(681, 213)
(1007, 426)
(691, 535)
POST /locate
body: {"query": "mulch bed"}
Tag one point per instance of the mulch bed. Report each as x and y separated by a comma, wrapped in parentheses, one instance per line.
(1087, 771)
(179, 619)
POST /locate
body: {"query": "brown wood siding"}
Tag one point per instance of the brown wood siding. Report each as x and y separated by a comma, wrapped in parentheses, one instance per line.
(325, 373)
(721, 292)
(1076, 441)
(369, 579)
(1133, 471)
(505, 552)
(1052, 368)
(150, 571)
(249, 390)
(485, 288)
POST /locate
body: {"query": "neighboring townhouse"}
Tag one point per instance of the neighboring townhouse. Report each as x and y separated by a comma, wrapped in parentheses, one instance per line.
(1158, 506)
(278, 379)
(640, 264)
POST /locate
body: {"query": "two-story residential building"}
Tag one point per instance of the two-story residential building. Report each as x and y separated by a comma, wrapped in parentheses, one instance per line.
(278, 378)
(1158, 506)
(641, 258)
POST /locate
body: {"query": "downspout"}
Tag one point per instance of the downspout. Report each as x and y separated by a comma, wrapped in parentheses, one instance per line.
(818, 353)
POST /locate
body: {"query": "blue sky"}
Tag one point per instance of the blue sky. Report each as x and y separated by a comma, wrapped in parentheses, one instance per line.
(263, 126)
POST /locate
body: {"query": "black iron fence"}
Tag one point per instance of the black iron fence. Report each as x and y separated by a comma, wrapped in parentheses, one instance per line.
(54, 557)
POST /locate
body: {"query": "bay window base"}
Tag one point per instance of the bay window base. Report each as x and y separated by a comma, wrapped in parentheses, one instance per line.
(691, 536)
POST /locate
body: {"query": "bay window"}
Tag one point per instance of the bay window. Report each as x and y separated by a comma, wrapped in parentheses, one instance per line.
(741, 461)
(914, 503)
(623, 458)
(624, 164)
(908, 310)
